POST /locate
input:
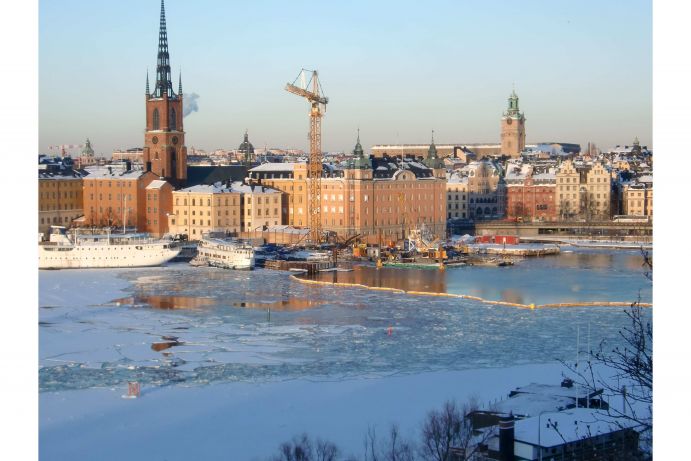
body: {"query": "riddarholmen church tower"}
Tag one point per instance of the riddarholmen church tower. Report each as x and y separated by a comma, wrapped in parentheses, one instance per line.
(165, 153)
(512, 128)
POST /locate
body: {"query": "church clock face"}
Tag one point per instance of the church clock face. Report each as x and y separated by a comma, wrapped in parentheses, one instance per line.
(508, 121)
(175, 139)
(154, 140)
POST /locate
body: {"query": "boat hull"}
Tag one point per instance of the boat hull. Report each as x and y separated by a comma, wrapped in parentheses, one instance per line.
(105, 256)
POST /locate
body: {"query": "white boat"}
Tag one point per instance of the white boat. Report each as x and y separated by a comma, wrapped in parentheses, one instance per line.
(102, 250)
(226, 254)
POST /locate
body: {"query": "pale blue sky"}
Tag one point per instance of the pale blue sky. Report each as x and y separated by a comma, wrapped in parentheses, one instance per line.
(582, 70)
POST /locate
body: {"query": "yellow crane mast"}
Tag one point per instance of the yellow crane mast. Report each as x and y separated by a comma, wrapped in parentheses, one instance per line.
(314, 168)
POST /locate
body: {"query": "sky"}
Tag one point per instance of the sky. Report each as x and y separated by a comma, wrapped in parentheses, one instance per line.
(397, 70)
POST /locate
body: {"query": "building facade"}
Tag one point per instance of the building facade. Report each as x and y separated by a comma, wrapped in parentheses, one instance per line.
(116, 196)
(60, 196)
(512, 129)
(232, 208)
(486, 191)
(373, 198)
(531, 195)
(457, 197)
(584, 191)
(159, 200)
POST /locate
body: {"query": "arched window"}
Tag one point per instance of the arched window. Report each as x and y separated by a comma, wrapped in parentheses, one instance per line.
(494, 211)
(156, 120)
(479, 211)
(173, 120)
(487, 210)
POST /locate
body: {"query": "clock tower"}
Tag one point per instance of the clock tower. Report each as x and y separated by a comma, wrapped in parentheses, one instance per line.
(165, 153)
(512, 128)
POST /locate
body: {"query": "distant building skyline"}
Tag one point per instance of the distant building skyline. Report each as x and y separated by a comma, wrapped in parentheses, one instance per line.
(396, 71)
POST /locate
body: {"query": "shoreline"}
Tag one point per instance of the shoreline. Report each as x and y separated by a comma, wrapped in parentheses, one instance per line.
(473, 298)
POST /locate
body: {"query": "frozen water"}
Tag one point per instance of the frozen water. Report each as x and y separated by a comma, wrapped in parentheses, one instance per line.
(97, 327)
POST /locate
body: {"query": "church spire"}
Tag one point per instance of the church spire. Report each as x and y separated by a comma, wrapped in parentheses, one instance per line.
(147, 83)
(180, 84)
(164, 84)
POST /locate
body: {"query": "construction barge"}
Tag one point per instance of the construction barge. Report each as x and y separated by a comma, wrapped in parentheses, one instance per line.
(308, 267)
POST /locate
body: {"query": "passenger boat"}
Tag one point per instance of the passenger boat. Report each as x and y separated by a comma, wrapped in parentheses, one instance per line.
(224, 253)
(102, 250)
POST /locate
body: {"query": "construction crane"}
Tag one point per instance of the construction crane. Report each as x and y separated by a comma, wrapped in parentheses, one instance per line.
(62, 148)
(314, 165)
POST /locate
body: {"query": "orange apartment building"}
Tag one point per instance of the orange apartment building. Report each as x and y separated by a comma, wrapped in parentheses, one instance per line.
(374, 198)
(114, 195)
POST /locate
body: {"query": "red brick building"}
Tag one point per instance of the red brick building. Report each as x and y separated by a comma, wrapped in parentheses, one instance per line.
(531, 196)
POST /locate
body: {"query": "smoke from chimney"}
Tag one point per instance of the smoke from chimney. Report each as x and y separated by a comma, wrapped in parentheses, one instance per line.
(189, 104)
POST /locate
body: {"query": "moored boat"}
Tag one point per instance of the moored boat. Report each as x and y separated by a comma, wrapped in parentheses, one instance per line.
(224, 253)
(108, 250)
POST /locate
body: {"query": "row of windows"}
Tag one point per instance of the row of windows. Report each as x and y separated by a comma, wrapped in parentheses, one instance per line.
(56, 220)
(110, 183)
(110, 197)
(69, 183)
(52, 195)
(53, 207)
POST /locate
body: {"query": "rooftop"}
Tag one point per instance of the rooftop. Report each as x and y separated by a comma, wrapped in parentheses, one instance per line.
(571, 425)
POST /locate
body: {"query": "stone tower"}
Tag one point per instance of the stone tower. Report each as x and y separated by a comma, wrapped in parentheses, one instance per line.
(512, 128)
(165, 153)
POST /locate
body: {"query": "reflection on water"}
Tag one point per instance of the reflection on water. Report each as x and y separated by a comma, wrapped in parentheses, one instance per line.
(161, 346)
(402, 279)
(578, 276)
(293, 304)
(166, 301)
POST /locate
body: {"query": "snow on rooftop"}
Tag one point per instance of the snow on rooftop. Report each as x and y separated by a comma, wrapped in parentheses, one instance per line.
(287, 166)
(532, 405)
(156, 184)
(571, 425)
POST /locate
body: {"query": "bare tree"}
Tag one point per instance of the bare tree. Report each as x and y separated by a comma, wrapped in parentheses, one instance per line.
(301, 448)
(632, 364)
(393, 448)
(450, 428)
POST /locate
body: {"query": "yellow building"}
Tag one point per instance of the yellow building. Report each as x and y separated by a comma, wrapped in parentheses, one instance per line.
(230, 208)
(597, 203)
(567, 194)
(583, 191)
(457, 196)
(60, 196)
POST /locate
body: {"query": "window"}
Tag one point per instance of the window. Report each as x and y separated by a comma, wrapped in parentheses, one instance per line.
(173, 120)
(156, 120)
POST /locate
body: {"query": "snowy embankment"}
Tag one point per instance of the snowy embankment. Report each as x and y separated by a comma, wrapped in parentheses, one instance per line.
(248, 421)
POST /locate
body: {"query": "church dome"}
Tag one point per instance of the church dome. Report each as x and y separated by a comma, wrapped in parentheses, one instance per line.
(246, 147)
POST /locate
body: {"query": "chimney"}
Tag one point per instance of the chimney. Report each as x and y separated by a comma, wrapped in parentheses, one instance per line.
(506, 438)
